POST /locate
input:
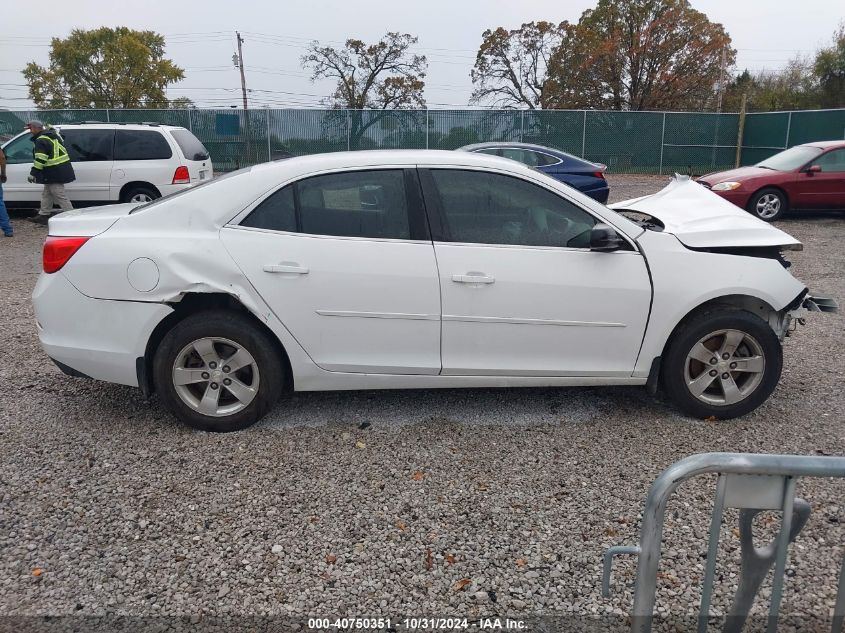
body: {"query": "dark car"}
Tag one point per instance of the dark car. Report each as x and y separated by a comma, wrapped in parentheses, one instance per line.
(804, 177)
(576, 172)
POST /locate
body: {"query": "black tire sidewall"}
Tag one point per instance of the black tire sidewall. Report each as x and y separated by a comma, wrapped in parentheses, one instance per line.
(127, 197)
(239, 329)
(696, 328)
(784, 203)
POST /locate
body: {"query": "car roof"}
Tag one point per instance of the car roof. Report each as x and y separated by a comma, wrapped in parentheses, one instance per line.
(386, 157)
(551, 151)
(98, 125)
(824, 144)
(532, 146)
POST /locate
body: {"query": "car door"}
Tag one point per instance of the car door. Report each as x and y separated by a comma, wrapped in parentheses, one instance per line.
(17, 190)
(825, 189)
(345, 261)
(142, 156)
(522, 293)
(91, 153)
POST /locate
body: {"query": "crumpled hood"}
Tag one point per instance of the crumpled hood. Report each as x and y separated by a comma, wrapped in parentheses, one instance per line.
(701, 219)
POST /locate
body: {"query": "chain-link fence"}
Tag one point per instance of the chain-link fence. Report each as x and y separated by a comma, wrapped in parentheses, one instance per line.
(627, 142)
(767, 133)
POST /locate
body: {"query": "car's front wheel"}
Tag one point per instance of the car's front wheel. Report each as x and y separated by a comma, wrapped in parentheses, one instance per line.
(217, 371)
(768, 204)
(722, 364)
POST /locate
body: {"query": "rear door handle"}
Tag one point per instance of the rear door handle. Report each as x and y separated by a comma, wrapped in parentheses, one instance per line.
(286, 267)
(473, 278)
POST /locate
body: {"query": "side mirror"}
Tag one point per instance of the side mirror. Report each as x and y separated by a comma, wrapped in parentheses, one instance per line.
(605, 239)
(813, 169)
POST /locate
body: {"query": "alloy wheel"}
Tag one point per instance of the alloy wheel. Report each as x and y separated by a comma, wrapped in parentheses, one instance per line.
(724, 367)
(141, 197)
(768, 206)
(215, 376)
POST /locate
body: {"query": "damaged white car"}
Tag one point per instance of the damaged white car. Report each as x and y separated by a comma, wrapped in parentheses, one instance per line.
(416, 270)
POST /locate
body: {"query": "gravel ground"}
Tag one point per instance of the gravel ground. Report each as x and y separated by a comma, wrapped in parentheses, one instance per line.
(434, 503)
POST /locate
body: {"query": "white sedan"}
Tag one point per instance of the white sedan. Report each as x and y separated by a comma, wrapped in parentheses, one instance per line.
(416, 269)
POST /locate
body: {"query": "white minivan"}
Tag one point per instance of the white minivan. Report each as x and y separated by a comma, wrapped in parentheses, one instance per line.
(113, 162)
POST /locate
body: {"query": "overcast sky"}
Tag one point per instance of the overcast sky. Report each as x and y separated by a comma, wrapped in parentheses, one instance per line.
(200, 38)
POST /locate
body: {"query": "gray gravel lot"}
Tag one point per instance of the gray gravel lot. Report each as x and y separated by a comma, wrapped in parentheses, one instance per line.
(382, 503)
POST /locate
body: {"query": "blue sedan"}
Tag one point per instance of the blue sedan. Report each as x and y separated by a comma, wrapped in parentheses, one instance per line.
(576, 172)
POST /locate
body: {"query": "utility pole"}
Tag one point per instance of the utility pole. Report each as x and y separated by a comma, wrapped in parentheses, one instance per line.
(247, 130)
(721, 78)
(740, 130)
(240, 65)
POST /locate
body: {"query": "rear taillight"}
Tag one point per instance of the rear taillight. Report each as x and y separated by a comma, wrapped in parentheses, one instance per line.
(598, 174)
(181, 176)
(58, 250)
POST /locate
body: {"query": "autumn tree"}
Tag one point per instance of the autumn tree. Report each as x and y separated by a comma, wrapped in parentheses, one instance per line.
(511, 66)
(646, 55)
(103, 68)
(382, 77)
(829, 68)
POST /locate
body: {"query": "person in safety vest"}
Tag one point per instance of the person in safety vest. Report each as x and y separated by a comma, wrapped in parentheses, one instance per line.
(51, 167)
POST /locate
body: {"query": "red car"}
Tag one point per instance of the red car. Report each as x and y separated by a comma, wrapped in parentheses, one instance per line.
(804, 177)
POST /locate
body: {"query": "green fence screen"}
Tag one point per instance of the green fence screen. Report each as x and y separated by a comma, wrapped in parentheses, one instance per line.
(627, 142)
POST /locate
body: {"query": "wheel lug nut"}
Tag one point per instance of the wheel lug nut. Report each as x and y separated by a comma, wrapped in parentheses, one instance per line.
(713, 372)
(726, 356)
(725, 376)
(227, 382)
(226, 369)
(714, 360)
(733, 365)
(214, 385)
(213, 365)
(206, 375)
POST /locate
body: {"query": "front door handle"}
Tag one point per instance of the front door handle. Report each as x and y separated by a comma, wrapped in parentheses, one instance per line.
(286, 267)
(473, 278)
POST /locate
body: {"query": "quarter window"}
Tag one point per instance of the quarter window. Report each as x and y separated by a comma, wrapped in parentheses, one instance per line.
(88, 145)
(484, 208)
(370, 204)
(141, 145)
(276, 213)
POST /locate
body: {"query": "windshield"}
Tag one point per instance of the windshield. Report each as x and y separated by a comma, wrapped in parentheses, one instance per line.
(793, 158)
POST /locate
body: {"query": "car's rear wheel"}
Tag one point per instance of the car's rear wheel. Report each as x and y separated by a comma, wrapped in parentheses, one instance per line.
(217, 371)
(768, 204)
(722, 364)
(140, 194)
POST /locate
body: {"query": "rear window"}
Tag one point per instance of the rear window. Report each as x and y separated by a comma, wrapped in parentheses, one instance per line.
(141, 145)
(190, 145)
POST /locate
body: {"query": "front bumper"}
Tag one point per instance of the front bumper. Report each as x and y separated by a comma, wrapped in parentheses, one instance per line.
(820, 304)
(97, 338)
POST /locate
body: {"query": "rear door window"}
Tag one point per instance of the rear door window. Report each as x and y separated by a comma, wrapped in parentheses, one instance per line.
(88, 145)
(190, 145)
(368, 204)
(141, 145)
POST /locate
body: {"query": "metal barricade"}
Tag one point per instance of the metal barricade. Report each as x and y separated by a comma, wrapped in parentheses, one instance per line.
(752, 483)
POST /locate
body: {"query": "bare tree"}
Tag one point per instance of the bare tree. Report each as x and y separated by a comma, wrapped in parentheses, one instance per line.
(511, 66)
(383, 76)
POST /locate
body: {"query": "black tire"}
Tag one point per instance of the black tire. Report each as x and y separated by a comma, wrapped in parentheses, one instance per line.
(767, 213)
(140, 191)
(675, 370)
(218, 324)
